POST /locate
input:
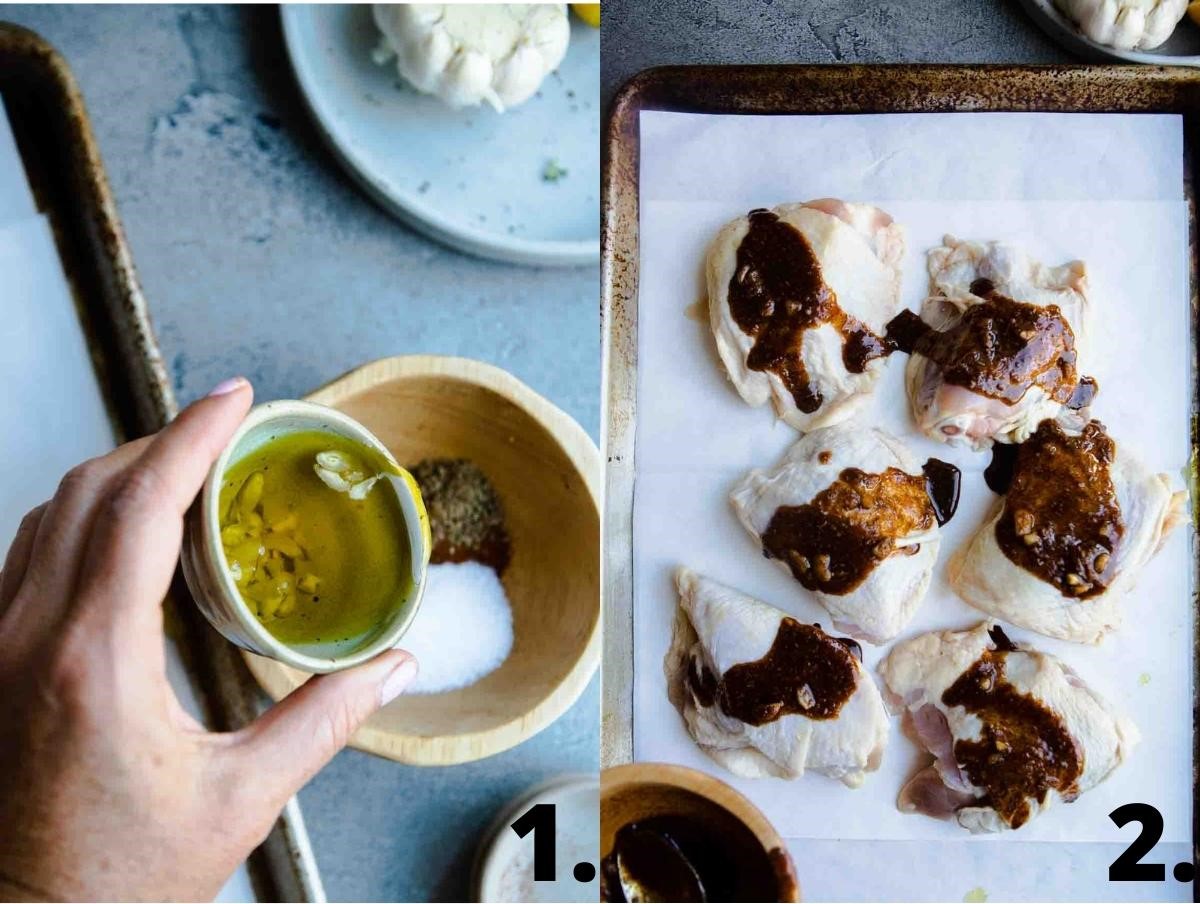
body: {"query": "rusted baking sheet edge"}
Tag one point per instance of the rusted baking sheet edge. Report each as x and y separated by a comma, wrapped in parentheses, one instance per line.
(67, 176)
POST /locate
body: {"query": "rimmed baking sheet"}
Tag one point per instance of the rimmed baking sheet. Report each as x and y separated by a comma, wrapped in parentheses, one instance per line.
(669, 472)
(82, 355)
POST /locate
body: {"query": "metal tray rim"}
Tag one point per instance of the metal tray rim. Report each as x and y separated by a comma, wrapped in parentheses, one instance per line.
(798, 89)
(286, 856)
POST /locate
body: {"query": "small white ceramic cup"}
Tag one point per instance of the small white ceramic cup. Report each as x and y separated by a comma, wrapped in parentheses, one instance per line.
(208, 576)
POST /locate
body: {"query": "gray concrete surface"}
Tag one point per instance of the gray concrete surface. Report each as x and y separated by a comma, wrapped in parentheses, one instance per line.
(642, 33)
(259, 256)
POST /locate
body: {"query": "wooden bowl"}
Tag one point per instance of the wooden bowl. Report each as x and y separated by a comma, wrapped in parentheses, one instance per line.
(547, 473)
(638, 791)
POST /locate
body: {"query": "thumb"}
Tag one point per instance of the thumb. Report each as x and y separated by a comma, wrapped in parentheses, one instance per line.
(304, 731)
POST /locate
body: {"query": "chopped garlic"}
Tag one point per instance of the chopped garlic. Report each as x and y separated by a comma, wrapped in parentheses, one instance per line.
(332, 479)
(806, 698)
(340, 473)
(359, 491)
(334, 461)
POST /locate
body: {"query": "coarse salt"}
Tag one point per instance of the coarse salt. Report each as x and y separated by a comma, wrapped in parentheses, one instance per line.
(463, 629)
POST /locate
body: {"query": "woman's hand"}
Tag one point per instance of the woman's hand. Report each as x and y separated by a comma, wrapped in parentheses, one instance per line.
(108, 789)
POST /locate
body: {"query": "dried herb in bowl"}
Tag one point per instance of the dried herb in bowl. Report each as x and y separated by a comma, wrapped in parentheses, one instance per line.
(466, 517)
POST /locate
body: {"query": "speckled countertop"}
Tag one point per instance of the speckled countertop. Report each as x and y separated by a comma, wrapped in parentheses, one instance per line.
(816, 31)
(258, 255)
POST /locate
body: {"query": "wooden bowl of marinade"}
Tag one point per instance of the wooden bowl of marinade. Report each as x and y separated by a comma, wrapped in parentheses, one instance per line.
(669, 833)
(546, 471)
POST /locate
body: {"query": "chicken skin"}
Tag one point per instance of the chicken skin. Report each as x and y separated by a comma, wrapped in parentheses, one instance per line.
(847, 513)
(799, 300)
(996, 349)
(1011, 730)
(765, 695)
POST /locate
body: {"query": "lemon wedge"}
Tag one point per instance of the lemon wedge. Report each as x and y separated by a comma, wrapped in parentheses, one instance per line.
(590, 13)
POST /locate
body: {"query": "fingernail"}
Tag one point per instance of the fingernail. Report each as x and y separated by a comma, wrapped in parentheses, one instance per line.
(227, 386)
(395, 683)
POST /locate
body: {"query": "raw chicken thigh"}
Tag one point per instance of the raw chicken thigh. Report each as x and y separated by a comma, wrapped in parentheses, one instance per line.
(764, 695)
(1080, 519)
(799, 299)
(848, 514)
(994, 351)
(1011, 729)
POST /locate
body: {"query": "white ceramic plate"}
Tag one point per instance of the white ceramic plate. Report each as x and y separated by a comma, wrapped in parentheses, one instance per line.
(470, 178)
(504, 863)
(1181, 49)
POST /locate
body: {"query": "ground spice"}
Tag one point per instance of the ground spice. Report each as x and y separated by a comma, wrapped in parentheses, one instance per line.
(466, 518)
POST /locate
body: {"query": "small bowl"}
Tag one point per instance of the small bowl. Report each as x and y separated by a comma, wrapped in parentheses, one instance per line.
(203, 557)
(547, 473)
(503, 869)
(638, 791)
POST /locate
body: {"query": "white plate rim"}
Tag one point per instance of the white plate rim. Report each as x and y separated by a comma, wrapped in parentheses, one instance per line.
(1057, 26)
(408, 206)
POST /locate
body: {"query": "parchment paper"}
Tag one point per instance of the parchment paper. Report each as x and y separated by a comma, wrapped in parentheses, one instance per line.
(52, 407)
(16, 199)
(1104, 188)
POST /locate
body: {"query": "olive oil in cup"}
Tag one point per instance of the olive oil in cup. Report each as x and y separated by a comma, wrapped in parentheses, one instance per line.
(309, 543)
